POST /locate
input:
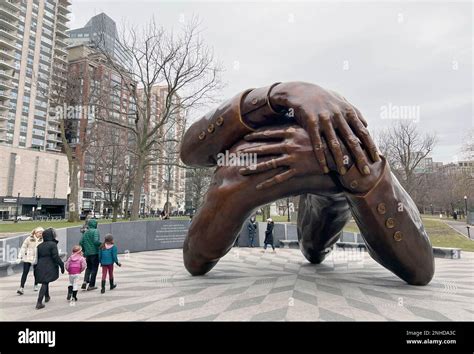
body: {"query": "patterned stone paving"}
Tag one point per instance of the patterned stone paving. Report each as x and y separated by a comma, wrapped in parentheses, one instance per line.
(248, 285)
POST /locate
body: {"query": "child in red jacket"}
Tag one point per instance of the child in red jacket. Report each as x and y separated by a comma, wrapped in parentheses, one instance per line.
(75, 265)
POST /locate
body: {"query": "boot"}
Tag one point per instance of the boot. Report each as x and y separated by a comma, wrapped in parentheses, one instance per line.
(39, 306)
(74, 295)
(112, 285)
(20, 291)
(84, 286)
(47, 298)
(69, 292)
(102, 290)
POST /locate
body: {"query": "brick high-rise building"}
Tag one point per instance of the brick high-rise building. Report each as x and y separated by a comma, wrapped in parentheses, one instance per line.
(102, 90)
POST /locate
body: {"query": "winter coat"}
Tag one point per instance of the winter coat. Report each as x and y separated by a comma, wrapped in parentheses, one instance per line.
(47, 268)
(269, 234)
(108, 254)
(29, 249)
(252, 227)
(90, 240)
(76, 264)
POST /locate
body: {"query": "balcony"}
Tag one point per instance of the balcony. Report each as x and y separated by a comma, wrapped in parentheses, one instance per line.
(5, 84)
(6, 75)
(7, 24)
(60, 59)
(6, 64)
(6, 13)
(62, 51)
(63, 8)
(7, 44)
(7, 34)
(53, 147)
(11, 5)
(4, 95)
(4, 106)
(61, 34)
(63, 17)
(3, 117)
(8, 54)
(53, 137)
(3, 136)
(53, 129)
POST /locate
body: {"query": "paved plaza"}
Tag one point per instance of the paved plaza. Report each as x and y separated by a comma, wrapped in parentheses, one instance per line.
(248, 285)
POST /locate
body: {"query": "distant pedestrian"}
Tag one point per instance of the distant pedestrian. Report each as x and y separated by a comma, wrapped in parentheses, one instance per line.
(107, 257)
(455, 215)
(252, 229)
(269, 235)
(47, 268)
(90, 243)
(28, 254)
(85, 226)
(75, 265)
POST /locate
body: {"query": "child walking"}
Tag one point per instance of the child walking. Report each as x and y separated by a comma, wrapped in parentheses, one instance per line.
(107, 258)
(75, 265)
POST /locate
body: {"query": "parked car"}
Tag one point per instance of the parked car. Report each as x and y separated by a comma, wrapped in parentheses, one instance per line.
(24, 218)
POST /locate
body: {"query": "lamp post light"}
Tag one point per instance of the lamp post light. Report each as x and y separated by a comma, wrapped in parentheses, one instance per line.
(17, 207)
(465, 204)
(37, 198)
(288, 208)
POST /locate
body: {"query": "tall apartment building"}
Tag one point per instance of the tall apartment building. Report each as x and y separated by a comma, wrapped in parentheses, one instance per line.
(164, 181)
(32, 50)
(101, 31)
(100, 83)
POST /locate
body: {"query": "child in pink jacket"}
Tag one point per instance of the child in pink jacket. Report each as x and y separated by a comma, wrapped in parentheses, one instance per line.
(75, 265)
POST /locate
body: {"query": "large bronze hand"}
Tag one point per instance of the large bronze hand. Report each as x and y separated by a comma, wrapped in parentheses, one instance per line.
(323, 113)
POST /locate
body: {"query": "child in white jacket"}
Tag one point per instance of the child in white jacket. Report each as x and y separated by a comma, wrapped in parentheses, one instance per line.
(28, 255)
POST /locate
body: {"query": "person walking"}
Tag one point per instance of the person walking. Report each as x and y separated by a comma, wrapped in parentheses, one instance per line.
(47, 268)
(28, 255)
(269, 235)
(107, 257)
(252, 228)
(75, 265)
(90, 243)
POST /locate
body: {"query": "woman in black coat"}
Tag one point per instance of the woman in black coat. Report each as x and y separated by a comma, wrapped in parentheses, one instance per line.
(47, 268)
(269, 235)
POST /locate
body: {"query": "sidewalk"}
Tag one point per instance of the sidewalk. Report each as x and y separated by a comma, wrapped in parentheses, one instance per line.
(460, 226)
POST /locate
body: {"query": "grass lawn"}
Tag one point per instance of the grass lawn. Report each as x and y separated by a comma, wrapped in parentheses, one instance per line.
(9, 227)
(441, 235)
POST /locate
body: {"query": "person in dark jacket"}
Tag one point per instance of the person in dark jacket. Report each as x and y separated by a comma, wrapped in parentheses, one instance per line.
(252, 228)
(47, 268)
(107, 258)
(269, 235)
(90, 243)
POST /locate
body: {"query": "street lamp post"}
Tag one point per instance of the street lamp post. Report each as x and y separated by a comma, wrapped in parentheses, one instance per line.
(17, 207)
(465, 204)
(288, 208)
(37, 203)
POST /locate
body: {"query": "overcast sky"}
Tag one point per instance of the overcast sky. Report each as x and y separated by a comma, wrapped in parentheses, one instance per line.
(382, 56)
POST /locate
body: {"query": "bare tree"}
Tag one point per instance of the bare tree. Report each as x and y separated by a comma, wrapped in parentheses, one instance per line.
(405, 148)
(113, 170)
(199, 180)
(468, 145)
(184, 64)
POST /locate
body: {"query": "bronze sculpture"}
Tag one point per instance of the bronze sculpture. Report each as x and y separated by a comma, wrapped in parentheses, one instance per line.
(288, 125)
